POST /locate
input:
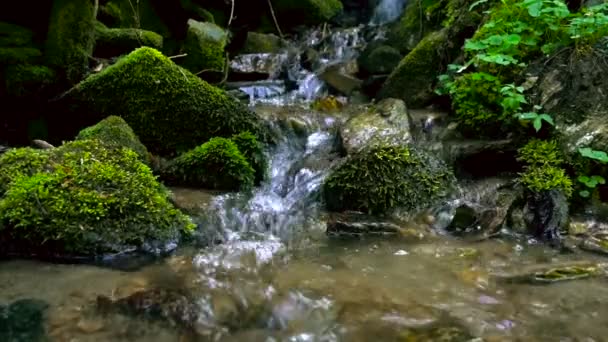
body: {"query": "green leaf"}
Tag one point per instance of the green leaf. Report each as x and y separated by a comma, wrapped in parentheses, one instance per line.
(527, 116)
(599, 179)
(547, 118)
(600, 156)
(475, 45)
(494, 40)
(537, 124)
(534, 9)
(584, 193)
(583, 179)
(513, 39)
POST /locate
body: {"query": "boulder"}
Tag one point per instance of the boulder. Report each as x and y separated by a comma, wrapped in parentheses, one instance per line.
(82, 199)
(340, 80)
(26, 80)
(379, 60)
(23, 320)
(258, 66)
(71, 38)
(121, 14)
(388, 123)
(262, 43)
(546, 214)
(15, 35)
(169, 109)
(380, 179)
(112, 42)
(204, 46)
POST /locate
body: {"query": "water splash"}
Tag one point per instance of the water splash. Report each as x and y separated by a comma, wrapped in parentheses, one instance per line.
(387, 11)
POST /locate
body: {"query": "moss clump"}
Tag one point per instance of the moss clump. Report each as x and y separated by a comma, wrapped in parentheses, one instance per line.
(306, 12)
(217, 164)
(24, 79)
(13, 35)
(383, 178)
(414, 78)
(71, 37)
(544, 178)
(204, 46)
(170, 109)
(118, 41)
(19, 162)
(262, 43)
(19, 55)
(379, 60)
(88, 199)
(253, 151)
(541, 152)
(115, 133)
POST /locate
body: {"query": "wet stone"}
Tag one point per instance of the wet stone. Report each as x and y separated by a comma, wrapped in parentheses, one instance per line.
(23, 321)
(554, 273)
(359, 225)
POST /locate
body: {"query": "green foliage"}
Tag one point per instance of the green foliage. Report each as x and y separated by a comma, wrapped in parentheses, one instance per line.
(13, 35)
(71, 37)
(19, 162)
(536, 119)
(591, 182)
(383, 178)
(117, 41)
(542, 178)
(540, 153)
(204, 46)
(217, 164)
(170, 109)
(590, 25)
(25, 79)
(599, 156)
(88, 199)
(115, 133)
(253, 151)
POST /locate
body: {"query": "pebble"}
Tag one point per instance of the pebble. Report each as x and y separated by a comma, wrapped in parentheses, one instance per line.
(89, 326)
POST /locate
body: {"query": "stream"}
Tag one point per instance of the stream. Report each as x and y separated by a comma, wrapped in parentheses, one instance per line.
(264, 270)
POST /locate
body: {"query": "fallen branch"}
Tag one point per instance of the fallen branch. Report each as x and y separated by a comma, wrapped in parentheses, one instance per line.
(274, 18)
(178, 56)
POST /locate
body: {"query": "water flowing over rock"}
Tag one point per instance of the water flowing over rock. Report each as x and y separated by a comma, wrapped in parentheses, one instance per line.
(387, 11)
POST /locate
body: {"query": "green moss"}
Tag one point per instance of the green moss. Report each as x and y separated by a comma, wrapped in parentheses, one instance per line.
(306, 12)
(89, 199)
(380, 60)
(119, 41)
(13, 35)
(204, 46)
(24, 79)
(170, 109)
(419, 19)
(18, 55)
(18, 162)
(541, 152)
(413, 79)
(253, 151)
(217, 164)
(131, 14)
(71, 38)
(262, 43)
(378, 180)
(115, 133)
(542, 178)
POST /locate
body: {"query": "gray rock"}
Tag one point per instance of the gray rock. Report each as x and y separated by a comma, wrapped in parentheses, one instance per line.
(257, 66)
(339, 79)
(387, 123)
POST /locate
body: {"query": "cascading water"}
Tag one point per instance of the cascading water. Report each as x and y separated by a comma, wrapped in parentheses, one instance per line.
(387, 11)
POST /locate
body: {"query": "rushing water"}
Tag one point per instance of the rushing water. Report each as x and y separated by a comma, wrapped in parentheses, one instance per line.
(271, 274)
(387, 11)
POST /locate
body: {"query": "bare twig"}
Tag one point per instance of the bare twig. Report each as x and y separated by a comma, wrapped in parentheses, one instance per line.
(274, 18)
(95, 8)
(178, 56)
(231, 13)
(207, 70)
(226, 69)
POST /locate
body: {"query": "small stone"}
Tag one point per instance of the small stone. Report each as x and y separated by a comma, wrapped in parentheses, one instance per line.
(401, 252)
(89, 326)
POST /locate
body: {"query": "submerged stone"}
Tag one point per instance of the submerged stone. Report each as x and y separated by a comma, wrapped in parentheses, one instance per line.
(23, 321)
(554, 273)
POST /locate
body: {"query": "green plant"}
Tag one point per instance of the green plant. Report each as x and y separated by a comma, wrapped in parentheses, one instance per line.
(383, 178)
(591, 182)
(541, 152)
(19, 162)
(542, 178)
(217, 164)
(590, 25)
(537, 119)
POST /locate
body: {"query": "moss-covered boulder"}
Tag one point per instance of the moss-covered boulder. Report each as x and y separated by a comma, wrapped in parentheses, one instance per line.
(71, 38)
(25, 79)
(262, 43)
(86, 199)
(253, 151)
(204, 46)
(14, 35)
(111, 42)
(19, 162)
(217, 164)
(18, 55)
(418, 20)
(115, 133)
(378, 60)
(122, 14)
(383, 178)
(306, 12)
(170, 109)
(415, 77)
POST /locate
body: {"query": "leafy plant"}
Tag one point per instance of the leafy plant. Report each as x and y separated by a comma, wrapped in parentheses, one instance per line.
(592, 181)
(543, 178)
(540, 152)
(536, 119)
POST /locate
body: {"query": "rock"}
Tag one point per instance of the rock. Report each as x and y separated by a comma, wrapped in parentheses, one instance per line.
(465, 219)
(112, 42)
(259, 66)
(372, 85)
(592, 132)
(547, 274)
(414, 78)
(306, 12)
(413, 25)
(546, 214)
(380, 179)
(217, 164)
(115, 133)
(354, 224)
(481, 158)
(41, 144)
(83, 199)
(262, 43)
(23, 320)
(380, 60)
(339, 80)
(204, 46)
(597, 243)
(167, 107)
(387, 123)
(26, 80)
(71, 38)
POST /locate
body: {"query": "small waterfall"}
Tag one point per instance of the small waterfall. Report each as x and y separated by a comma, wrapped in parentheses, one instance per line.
(387, 11)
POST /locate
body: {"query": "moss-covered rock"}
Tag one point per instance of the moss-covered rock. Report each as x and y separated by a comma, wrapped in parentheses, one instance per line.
(111, 42)
(419, 19)
(18, 55)
(262, 43)
(18, 162)
(14, 35)
(383, 178)
(306, 12)
(24, 79)
(122, 14)
(87, 199)
(217, 164)
(204, 46)
(170, 109)
(115, 133)
(379, 60)
(415, 77)
(71, 38)
(253, 151)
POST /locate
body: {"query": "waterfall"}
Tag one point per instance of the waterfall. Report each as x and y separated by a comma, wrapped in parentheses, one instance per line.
(387, 11)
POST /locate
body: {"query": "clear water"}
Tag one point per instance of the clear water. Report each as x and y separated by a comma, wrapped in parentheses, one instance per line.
(275, 276)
